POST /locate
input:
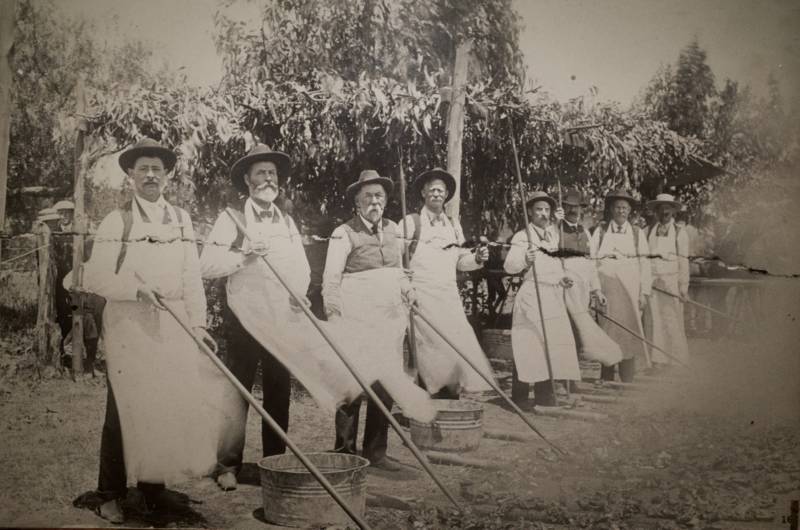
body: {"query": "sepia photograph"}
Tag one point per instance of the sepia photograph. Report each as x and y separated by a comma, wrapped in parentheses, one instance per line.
(400, 264)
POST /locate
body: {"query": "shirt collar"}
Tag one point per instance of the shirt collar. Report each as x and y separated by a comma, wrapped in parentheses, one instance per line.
(369, 224)
(159, 203)
(615, 227)
(432, 216)
(260, 210)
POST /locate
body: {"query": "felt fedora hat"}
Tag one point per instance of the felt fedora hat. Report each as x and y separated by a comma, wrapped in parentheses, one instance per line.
(147, 147)
(664, 198)
(259, 153)
(368, 176)
(575, 198)
(621, 195)
(540, 196)
(435, 173)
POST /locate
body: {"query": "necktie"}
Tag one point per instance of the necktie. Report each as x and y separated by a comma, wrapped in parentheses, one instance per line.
(663, 231)
(375, 229)
(166, 219)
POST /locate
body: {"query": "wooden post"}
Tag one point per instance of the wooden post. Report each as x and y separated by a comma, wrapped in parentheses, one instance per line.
(8, 9)
(455, 124)
(47, 348)
(79, 226)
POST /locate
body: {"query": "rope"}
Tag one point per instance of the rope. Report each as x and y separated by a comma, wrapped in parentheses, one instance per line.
(22, 255)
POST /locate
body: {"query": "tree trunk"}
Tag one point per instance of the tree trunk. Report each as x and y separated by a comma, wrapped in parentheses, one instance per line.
(8, 10)
(79, 227)
(47, 333)
(455, 123)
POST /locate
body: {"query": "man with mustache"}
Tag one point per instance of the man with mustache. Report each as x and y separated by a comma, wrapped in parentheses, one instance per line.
(664, 322)
(621, 250)
(228, 253)
(364, 285)
(527, 340)
(436, 253)
(144, 253)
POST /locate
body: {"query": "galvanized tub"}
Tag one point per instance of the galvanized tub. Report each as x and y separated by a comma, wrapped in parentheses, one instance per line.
(293, 497)
(458, 427)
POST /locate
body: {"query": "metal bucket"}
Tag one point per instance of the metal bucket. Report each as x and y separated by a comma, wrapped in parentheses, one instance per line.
(458, 427)
(293, 497)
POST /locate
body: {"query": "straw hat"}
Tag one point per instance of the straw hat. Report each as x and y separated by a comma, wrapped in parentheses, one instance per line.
(664, 198)
(147, 147)
(48, 214)
(64, 205)
(435, 173)
(259, 153)
(368, 176)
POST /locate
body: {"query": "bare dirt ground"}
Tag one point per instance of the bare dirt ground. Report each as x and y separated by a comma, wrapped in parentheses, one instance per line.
(714, 447)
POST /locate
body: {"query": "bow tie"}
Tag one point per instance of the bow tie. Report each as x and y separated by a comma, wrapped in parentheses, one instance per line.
(619, 229)
(264, 214)
(662, 231)
(375, 229)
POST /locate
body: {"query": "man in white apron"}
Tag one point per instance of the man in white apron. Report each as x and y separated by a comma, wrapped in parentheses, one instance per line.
(364, 286)
(621, 252)
(664, 322)
(593, 344)
(155, 433)
(527, 339)
(434, 242)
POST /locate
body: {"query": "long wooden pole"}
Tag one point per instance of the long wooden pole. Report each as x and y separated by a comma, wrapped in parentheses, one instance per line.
(412, 333)
(79, 231)
(362, 383)
(455, 124)
(8, 10)
(529, 233)
(629, 330)
(698, 304)
(267, 418)
(486, 378)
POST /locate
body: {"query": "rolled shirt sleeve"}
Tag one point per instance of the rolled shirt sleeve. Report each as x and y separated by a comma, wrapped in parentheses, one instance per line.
(218, 258)
(99, 276)
(194, 295)
(339, 248)
(515, 259)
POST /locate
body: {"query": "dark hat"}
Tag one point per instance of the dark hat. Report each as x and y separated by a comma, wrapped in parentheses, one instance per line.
(147, 147)
(540, 196)
(259, 153)
(621, 194)
(368, 176)
(664, 198)
(435, 173)
(575, 198)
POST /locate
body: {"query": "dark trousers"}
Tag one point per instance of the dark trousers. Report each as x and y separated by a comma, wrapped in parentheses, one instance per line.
(627, 367)
(244, 355)
(542, 391)
(376, 428)
(112, 479)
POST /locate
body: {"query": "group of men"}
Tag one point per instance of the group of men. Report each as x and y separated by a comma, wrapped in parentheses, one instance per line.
(163, 421)
(633, 280)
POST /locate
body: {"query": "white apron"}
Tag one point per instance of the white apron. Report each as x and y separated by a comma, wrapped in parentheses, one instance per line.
(437, 294)
(594, 344)
(664, 317)
(527, 340)
(620, 279)
(373, 313)
(153, 366)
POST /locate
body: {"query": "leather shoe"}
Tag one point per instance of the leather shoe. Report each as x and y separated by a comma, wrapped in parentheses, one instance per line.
(111, 511)
(384, 464)
(227, 481)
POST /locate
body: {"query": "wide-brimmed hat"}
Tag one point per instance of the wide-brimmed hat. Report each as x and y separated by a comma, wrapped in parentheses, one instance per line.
(620, 194)
(368, 176)
(147, 147)
(540, 196)
(575, 198)
(259, 153)
(64, 205)
(664, 198)
(48, 214)
(435, 173)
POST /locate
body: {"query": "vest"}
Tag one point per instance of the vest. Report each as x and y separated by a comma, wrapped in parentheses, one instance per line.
(574, 239)
(368, 252)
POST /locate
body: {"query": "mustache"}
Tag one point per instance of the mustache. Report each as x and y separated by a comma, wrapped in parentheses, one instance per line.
(265, 185)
